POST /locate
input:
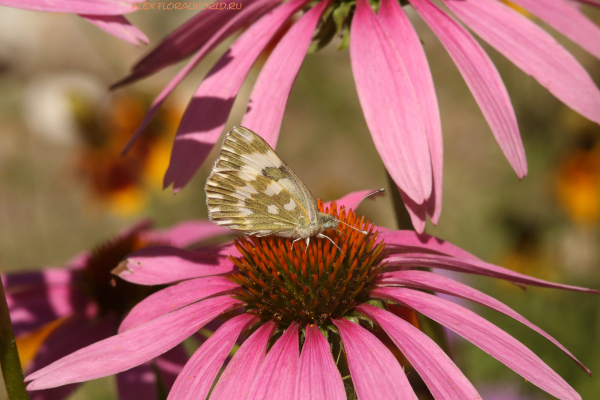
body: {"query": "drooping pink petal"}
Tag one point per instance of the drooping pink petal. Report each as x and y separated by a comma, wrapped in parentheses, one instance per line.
(441, 284)
(389, 104)
(353, 199)
(593, 3)
(409, 241)
(567, 20)
(483, 80)
(118, 26)
(486, 336)
(417, 212)
(473, 267)
(407, 43)
(276, 377)
(97, 7)
(73, 334)
(198, 375)
(161, 264)
(237, 21)
(237, 378)
(274, 84)
(375, 372)
(442, 376)
(533, 50)
(36, 298)
(170, 364)
(126, 350)
(16, 282)
(205, 116)
(182, 42)
(187, 233)
(175, 297)
(319, 377)
(39, 305)
(137, 383)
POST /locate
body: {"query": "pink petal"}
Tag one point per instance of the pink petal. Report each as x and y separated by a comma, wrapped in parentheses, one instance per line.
(209, 109)
(117, 25)
(276, 377)
(198, 375)
(319, 377)
(73, 334)
(16, 282)
(353, 199)
(568, 20)
(274, 84)
(482, 78)
(486, 336)
(390, 105)
(375, 372)
(126, 350)
(239, 19)
(409, 241)
(237, 378)
(175, 297)
(170, 364)
(137, 383)
(409, 47)
(533, 50)
(428, 281)
(98, 7)
(187, 233)
(442, 376)
(183, 41)
(417, 212)
(473, 267)
(161, 264)
(33, 308)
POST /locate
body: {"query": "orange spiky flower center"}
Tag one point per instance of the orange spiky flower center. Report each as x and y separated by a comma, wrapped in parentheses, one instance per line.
(284, 283)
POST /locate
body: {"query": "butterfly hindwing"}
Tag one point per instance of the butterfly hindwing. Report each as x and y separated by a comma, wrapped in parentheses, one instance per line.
(251, 189)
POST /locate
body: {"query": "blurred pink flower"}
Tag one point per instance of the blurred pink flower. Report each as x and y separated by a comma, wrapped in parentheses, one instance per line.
(72, 307)
(105, 14)
(392, 77)
(283, 291)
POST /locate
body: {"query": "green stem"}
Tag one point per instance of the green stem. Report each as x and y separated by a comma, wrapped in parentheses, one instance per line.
(9, 356)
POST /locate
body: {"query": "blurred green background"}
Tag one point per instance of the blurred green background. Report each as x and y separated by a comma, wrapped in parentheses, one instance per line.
(62, 188)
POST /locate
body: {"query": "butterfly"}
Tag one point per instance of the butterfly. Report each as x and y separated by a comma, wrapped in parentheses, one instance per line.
(251, 189)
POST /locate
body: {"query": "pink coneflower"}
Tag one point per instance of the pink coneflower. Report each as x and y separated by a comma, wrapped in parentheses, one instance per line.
(390, 69)
(308, 317)
(105, 14)
(57, 311)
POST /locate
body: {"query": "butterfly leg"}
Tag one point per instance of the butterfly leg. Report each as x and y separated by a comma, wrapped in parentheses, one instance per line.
(328, 238)
(307, 243)
(292, 246)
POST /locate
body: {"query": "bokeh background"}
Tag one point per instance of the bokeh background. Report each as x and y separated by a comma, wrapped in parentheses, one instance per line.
(64, 188)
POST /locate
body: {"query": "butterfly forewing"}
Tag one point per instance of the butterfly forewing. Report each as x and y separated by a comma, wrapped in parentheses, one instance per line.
(251, 189)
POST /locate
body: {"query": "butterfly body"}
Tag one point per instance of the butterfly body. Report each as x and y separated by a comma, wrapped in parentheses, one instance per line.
(252, 190)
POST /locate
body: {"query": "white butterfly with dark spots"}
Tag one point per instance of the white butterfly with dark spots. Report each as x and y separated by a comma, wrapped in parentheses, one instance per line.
(252, 190)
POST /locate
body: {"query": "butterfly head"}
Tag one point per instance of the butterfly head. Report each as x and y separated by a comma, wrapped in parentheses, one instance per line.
(327, 221)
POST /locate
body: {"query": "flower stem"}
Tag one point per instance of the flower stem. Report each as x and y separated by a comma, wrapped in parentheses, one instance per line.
(9, 357)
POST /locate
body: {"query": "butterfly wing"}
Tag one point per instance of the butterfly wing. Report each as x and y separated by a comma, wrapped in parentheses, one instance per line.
(252, 190)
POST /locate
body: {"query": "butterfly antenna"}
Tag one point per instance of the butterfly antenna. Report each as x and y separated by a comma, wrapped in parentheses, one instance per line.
(350, 226)
(361, 199)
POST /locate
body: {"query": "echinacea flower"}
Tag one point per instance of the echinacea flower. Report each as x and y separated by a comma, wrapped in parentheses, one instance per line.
(309, 314)
(60, 310)
(391, 73)
(105, 14)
